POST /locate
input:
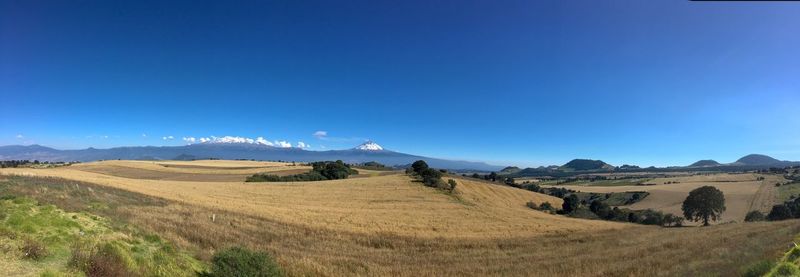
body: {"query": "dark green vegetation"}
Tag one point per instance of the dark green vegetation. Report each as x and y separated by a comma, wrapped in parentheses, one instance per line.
(787, 210)
(599, 206)
(597, 209)
(27, 163)
(611, 199)
(238, 261)
(584, 165)
(320, 171)
(431, 177)
(704, 203)
(373, 166)
(754, 216)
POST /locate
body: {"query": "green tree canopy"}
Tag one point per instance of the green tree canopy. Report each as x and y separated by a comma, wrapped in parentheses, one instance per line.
(419, 166)
(704, 203)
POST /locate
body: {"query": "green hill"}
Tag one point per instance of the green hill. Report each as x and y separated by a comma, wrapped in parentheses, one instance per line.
(586, 164)
(705, 163)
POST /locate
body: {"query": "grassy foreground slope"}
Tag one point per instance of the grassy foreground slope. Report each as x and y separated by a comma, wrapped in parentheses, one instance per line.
(44, 240)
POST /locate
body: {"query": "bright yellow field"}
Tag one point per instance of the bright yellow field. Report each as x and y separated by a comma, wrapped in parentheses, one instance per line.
(391, 203)
(743, 193)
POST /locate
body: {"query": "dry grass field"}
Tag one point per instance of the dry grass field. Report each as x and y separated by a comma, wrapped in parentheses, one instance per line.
(390, 203)
(743, 192)
(388, 225)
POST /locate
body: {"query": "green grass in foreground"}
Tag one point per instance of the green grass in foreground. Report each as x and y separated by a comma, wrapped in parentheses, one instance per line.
(786, 192)
(47, 241)
(788, 265)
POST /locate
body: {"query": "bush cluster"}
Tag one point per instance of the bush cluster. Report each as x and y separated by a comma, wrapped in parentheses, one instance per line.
(545, 207)
(431, 177)
(598, 209)
(788, 210)
(238, 261)
(320, 171)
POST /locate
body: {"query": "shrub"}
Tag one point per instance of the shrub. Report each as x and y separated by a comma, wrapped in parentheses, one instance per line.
(786, 269)
(33, 249)
(238, 261)
(600, 208)
(452, 184)
(532, 205)
(546, 206)
(779, 212)
(583, 212)
(101, 262)
(758, 269)
(753, 216)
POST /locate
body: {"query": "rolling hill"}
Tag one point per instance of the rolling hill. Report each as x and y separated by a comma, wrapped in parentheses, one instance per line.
(705, 163)
(585, 164)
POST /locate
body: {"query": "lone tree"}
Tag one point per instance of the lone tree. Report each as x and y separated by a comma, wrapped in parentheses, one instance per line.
(571, 203)
(704, 203)
(419, 166)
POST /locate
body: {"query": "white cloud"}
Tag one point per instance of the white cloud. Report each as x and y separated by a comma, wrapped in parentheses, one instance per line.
(19, 136)
(105, 137)
(144, 135)
(189, 140)
(301, 144)
(263, 141)
(283, 144)
(168, 138)
(320, 134)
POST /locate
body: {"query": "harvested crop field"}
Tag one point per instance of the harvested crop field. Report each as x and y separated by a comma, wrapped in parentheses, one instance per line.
(186, 171)
(391, 203)
(302, 250)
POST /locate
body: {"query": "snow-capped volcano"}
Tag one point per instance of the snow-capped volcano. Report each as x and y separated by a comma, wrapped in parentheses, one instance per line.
(369, 146)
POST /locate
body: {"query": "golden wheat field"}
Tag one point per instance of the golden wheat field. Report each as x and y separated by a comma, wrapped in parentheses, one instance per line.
(743, 192)
(389, 225)
(375, 204)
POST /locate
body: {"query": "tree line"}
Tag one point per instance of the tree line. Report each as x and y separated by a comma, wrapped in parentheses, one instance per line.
(326, 170)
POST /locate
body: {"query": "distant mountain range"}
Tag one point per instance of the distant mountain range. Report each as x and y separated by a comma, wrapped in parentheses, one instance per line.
(583, 166)
(366, 152)
(752, 160)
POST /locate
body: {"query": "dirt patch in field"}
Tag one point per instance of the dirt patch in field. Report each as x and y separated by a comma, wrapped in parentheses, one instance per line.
(137, 173)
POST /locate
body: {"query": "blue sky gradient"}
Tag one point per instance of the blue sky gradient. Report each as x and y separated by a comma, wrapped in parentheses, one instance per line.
(509, 82)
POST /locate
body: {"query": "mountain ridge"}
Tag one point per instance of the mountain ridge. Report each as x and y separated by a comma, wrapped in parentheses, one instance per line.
(233, 150)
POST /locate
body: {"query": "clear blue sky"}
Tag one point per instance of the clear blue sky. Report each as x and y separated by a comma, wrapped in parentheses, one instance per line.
(510, 82)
